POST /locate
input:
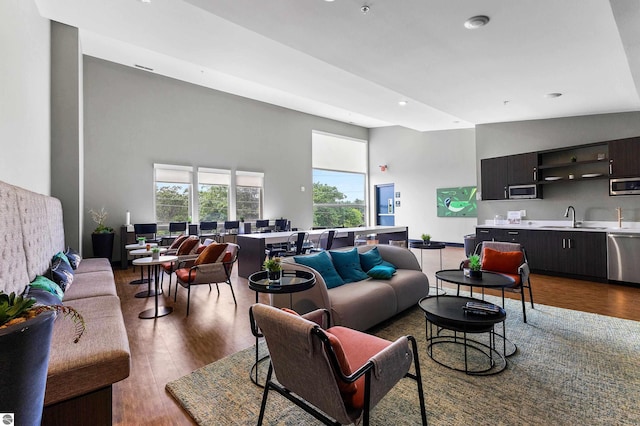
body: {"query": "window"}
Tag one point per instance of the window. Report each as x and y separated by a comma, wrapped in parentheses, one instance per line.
(213, 194)
(339, 181)
(249, 195)
(172, 193)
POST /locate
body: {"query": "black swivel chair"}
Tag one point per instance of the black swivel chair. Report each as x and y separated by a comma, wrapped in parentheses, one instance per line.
(175, 229)
(282, 225)
(147, 230)
(231, 228)
(209, 229)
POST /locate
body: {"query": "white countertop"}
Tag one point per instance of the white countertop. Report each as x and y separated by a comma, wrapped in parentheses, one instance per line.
(565, 225)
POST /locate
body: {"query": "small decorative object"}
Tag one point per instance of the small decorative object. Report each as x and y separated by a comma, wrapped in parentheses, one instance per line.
(141, 241)
(571, 176)
(155, 253)
(601, 156)
(474, 266)
(274, 268)
(573, 158)
(148, 247)
(102, 236)
(426, 239)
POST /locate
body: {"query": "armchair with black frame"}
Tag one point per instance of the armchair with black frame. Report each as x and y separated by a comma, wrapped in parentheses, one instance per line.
(335, 374)
(509, 259)
(213, 266)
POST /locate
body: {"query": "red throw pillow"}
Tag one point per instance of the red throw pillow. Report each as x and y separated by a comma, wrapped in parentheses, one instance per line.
(188, 246)
(347, 390)
(211, 254)
(506, 262)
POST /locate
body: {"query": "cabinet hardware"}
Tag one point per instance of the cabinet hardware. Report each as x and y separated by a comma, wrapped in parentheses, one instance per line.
(535, 175)
(505, 193)
(564, 243)
(484, 231)
(513, 233)
(610, 167)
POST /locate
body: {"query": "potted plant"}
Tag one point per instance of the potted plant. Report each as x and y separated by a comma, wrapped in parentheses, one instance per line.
(103, 236)
(475, 266)
(426, 239)
(25, 338)
(273, 266)
(155, 253)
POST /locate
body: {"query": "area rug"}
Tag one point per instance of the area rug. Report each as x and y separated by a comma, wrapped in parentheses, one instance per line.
(570, 368)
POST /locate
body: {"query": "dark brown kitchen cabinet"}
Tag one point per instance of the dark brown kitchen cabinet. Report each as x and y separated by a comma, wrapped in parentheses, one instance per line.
(624, 158)
(522, 168)
(493, 177)
(568, 253)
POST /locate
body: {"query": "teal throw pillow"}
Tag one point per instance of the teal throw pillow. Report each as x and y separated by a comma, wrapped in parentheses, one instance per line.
(372, 258)
(45, 283)
(62, 256)
(381, 272)
(347, 264)
(321, 262)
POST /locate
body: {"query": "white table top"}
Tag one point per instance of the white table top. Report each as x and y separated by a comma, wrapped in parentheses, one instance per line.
(139, 246)
(151, 261)
(275, 237)
(145, 252)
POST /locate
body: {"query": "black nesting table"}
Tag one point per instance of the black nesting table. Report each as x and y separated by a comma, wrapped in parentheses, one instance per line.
(449, 317)
(290, 282)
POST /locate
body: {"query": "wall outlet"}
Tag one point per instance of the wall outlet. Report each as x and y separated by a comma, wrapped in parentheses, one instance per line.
(523, 213)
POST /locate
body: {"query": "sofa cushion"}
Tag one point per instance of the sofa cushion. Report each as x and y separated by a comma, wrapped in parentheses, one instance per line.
(91, 284)
(382, 272)
(372, 258)
(62, 273)
(347, 263)
(74, 257)
(46, 284)
(321, 262)
(361, 304)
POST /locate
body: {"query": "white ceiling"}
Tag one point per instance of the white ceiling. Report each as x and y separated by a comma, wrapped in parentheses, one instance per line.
(332, 60)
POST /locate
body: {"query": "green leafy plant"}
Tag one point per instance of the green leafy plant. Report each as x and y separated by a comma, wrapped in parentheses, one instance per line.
(425, 237)
(474, 262)
(273, 265)
(17, 309)
(99, 218)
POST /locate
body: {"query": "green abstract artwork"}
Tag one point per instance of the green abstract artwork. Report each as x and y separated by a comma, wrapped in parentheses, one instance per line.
(457, 202)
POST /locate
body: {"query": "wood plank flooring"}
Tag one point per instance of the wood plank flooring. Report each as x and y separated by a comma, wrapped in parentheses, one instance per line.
(172, 346)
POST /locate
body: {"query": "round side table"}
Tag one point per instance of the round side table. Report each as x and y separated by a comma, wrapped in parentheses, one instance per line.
(158, 311)
(430, 246)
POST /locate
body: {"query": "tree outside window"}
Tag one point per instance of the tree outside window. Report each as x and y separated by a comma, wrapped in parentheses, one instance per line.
(340, 204)
(214, 202)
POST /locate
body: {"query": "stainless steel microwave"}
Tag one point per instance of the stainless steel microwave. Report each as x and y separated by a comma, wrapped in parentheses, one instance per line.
(523, 191)
(625, 186)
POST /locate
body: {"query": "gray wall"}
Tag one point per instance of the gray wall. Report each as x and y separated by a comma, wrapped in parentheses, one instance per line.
(24, 99)
(66, 127)
(419, 163)
(134, 118)
(590, 198)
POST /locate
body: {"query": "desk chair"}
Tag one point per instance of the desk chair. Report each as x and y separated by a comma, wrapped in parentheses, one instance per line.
(335, 374)
(232, 228)
(325, 241)
(262, 225)
(282, 225)
(209, 229)
(147, 230)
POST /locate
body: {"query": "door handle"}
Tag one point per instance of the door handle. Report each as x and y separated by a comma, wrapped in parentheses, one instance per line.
(610, 167)
(564, 243)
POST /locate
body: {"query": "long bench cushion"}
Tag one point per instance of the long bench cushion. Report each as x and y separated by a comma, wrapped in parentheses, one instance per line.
(99, 359)
(13, 267)
(90, 284)
(362, 304)
(93, 265)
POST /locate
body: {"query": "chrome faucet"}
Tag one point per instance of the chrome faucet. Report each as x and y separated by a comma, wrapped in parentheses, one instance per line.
(573, 218)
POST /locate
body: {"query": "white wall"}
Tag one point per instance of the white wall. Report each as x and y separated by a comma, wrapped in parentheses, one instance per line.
(24, 99)
(420, 162)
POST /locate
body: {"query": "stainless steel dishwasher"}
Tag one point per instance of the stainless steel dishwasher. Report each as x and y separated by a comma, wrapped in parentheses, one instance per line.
(622, 256)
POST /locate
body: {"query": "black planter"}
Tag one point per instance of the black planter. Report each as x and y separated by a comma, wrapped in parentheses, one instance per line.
(475, 274)
(24, 362)
(103, 245)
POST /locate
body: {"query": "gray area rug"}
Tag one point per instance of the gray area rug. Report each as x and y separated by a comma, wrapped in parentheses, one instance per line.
(570, 368)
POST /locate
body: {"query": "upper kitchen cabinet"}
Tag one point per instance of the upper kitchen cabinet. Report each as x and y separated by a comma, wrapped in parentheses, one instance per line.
(575, 163)
(493, 178)
(624, 158)
(498, 173)
(522, 168)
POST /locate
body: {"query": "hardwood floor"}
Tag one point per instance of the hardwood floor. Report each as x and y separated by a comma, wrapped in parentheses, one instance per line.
(172, 346)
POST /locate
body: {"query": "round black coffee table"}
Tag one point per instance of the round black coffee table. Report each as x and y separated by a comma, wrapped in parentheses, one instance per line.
(448, 315)
(289, 282)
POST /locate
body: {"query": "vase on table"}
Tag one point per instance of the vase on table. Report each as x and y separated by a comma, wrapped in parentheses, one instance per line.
(477, 274)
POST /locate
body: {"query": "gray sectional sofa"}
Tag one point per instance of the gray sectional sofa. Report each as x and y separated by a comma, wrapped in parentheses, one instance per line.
(80, 375)
(362, 304)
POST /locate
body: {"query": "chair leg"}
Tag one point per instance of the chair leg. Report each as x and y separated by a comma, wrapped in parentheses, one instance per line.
(263, 406)
(188, 298)
(524, 306)
(418, 379)
(232, 293)
(530, 293)
(175, 294)
(218, 289)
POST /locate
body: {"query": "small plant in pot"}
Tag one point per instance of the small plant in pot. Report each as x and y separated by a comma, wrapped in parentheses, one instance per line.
(155, 253)
(426, 238)
(102, 236)
(274, 268)
(475, 266)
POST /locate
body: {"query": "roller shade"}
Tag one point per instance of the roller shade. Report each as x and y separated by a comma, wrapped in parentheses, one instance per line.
(332, 152)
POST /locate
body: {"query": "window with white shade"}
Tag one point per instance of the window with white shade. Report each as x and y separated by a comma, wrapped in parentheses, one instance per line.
(339, 181)
(173, 193)
(213, 194)
(249, 195)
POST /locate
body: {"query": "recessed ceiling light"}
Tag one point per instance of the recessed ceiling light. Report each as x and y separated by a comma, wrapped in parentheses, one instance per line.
(145, 1)
(403, 103)
(329, 1)
(553, 95)
(476, 22)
